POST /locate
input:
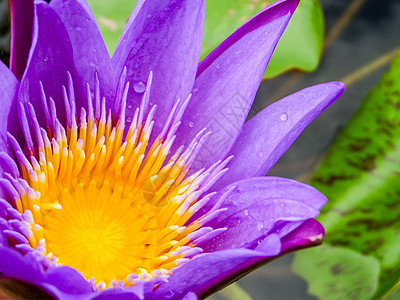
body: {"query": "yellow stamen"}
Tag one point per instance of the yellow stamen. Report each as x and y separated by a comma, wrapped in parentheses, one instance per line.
(111, 206)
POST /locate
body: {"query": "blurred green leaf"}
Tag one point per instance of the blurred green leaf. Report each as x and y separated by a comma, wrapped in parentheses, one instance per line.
(300, 46)
(361, 178)
(393, 294)
(111, 16)
(328, 271)
(232, 292)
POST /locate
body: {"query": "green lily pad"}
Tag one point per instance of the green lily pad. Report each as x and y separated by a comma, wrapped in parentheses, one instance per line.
(361, 178)
(393, 294)
(300, 46)
(111, 16)
(324, 265)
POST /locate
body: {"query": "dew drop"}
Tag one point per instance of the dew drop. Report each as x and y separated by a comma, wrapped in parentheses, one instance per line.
(139, 86)
(92, 63)
(45, 59)
(170, 294)
(195, 90)
(218, 66)
(78, 28)
(191, 124)
(237, 192)
(260, 226)
(246, 212)
(284, 117)
(129, 106)
(260, 154)
(129, 119)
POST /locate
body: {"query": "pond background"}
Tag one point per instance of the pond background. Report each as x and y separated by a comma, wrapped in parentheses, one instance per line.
(362, 37)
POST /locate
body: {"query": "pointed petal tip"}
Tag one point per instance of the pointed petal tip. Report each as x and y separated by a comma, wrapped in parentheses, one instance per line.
(340, 86)
(335, 87)
(291, 5)
(310, 233)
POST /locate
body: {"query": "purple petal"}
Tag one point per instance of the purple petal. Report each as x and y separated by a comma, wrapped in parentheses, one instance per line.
(310, 233)
(116, 294)
(50, 58)
(257, 205)
(166, 39)
(190, 296)
(68, 280)
(249, 191)
(9, 88)
(13, 264)
(89, 51)
(136, 291)
(207, 271)
(227, 81)
(270, 133)
(23, 276)
(21, 34)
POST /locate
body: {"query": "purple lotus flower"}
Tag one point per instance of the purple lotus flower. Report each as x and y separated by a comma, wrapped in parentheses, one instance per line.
(136, 177)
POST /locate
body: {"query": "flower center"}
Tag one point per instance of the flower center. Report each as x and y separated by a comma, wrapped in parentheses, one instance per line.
(97, 197)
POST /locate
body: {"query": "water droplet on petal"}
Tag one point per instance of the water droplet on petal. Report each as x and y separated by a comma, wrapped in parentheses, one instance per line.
(45, 59)
(237, 192)
(78, 28)
(170, 294)
(284, 117)
(129, 119)
(218, 66)
(260, 226)
(139, 86)
(92, 63)
(129, 106)
(191, 124)
(260, 154)
(195, 90)
(246, 212)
